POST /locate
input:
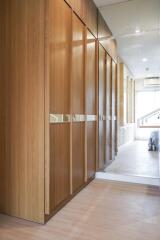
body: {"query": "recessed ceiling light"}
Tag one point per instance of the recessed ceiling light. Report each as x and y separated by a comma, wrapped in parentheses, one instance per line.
(137, 30)
(144, 59)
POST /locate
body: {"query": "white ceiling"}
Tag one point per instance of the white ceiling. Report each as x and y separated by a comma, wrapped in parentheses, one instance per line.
(101, 3)
(124, 19)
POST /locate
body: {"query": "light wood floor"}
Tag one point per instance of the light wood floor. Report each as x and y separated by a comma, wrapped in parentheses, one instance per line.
(135, 159)
(103, 210)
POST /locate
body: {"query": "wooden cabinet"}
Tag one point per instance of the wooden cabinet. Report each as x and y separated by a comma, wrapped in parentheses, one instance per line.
(48, 104)
(90, 100)
(87, 12)
(78, 101)
(60, 44)
(102, 107)
(105, 37)
(22, 108)
(113, 105)
(108, 108)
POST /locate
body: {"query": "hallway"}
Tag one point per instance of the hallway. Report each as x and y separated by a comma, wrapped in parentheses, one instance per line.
(96, 213)
(135, 159)
(79, 82)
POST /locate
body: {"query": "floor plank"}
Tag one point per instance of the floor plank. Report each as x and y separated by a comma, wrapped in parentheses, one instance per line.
(103, 210)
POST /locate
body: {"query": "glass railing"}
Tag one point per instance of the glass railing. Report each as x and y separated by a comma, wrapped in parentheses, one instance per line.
(150, 120)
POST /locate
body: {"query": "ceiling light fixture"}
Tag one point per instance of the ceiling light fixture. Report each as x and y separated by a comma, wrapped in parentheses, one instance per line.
(137, 31)
(144, 59)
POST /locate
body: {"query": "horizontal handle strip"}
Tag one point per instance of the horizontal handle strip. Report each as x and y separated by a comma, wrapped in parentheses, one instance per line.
(91, 118)
(60, 118)
(78, 118)
(67, 118)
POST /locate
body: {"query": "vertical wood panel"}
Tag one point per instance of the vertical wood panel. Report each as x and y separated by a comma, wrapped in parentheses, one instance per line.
(3, 44)
(116, 109)
(92, 17)
(108, 109)
(78, 101)
(102, 106)
(90, 74)
(60, 51)
(90, 80)
(104, 33)
(87, 11)
(78, 139)
(60, 43)
(23, 75)
(78, 66)
(60, 164)
(91, 149)
(113, 108)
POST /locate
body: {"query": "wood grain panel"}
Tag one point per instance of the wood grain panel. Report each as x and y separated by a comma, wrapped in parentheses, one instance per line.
(23, 75)
(78, 157)
(91, 149)
(108, 109)
(113, 135)
(2, 99)
(60, 52)
(87, 12)
(116, 110)
(90, 103)
(60, 42)
(104, 33)
(102, 106)
(78, 57)
(78, 101)
(90, 70)
(59, 164)
(91, 19)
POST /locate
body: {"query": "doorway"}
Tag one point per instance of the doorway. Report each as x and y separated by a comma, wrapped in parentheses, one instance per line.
(138, 105)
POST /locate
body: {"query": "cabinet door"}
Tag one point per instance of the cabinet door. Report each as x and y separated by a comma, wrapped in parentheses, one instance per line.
(113, 135)
(60, 74)
(90, 70)
(78, 110)
(108, 109)
(102, 107)
(116, 110)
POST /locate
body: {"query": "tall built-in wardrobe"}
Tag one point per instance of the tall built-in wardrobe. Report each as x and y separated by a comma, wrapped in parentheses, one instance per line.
(58, 103)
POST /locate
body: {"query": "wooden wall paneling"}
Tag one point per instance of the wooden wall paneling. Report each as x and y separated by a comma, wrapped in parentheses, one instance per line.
(113, 108)
(47, 109)
(105, 37)
(90, 103)
(90, 74)
(97, 105)
(60, 164)
(78, 155)
(2, 99)
(23, 76)
(121, 96)
(78, 102)
(87, 12)
(108, 108)
(102, 106)
(91, 149)
(60, 54)
(78, 57)
(60, 43)
(92, 17)
(116, 109)
(79, 7)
